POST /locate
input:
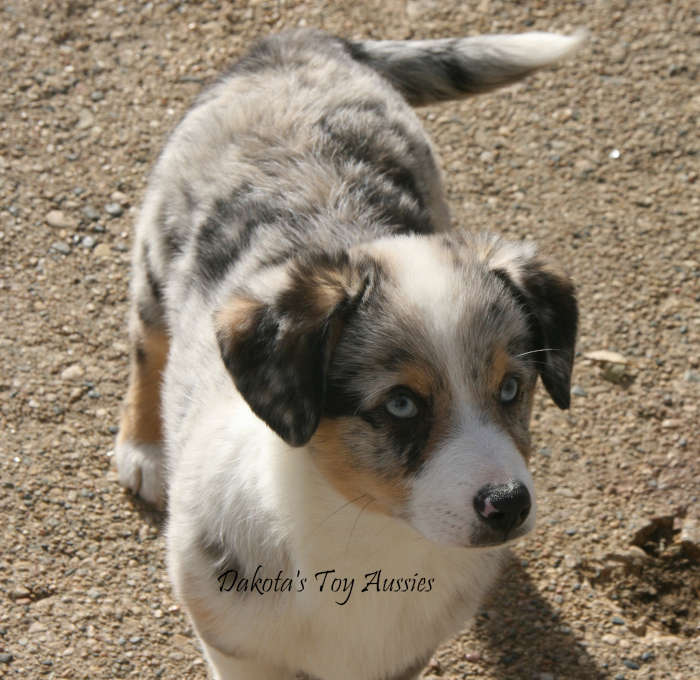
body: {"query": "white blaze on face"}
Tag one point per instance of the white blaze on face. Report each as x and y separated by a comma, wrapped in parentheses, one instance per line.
(477, 451)
(442, 495)
(423, 273)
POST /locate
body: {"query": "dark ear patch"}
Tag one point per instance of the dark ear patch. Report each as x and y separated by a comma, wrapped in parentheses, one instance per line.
(550, 301)
(278, 350)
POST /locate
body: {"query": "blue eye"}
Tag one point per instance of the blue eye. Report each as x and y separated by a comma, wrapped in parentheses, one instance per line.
(509, 390)
(401, 406)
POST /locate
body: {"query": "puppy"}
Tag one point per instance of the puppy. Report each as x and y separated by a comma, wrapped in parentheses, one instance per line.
(333, 388)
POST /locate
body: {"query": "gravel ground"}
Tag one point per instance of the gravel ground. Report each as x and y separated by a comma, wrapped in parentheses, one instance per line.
(597, 160)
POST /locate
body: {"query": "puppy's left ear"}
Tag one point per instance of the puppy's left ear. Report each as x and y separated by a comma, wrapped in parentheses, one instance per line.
(276, 338)
(549, 298)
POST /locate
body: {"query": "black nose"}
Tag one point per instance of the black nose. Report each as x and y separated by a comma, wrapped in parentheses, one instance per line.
(503, 507)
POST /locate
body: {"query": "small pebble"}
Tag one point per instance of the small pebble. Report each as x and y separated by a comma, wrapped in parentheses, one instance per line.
(119, 197)
(114, 209)
(631, 665)
(6, 658)
(102, 250)
(89, 242)
(74, 372)
(94, 394)
(472, 657)
(91, 213)
(58, 220)
(618, 621)
(97, 96)
(614, 372)
(578, 391)
(647, 656)
(571, 531)
(61, 247)
(85, 119)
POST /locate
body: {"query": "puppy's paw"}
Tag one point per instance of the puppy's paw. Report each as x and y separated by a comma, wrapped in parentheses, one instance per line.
(141, 469)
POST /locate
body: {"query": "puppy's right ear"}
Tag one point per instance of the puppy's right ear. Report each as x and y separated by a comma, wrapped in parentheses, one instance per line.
(277, 336)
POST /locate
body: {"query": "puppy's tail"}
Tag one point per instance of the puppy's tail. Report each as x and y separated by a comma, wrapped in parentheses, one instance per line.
(427, 71)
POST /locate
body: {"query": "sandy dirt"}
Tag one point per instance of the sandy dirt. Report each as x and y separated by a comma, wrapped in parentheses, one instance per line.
(597, 160)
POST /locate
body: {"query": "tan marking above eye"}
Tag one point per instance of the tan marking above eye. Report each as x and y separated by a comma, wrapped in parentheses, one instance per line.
(419, 379)
(501, 366)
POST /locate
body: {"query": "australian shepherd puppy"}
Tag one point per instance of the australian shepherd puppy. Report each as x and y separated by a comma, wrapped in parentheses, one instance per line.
(333, 389)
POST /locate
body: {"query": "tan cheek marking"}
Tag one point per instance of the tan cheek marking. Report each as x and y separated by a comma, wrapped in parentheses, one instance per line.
(335, 462)
(141, 417)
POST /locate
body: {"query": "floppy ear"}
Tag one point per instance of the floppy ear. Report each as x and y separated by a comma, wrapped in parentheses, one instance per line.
(277, 336)
(549, 298)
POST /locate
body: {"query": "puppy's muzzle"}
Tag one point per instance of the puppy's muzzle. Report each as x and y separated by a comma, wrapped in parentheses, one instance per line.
(503, 508)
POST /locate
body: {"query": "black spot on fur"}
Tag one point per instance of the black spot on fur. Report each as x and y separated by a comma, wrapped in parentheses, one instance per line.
(140, 353)
(359, 134)
(409, 437)
(231, 227)
(218, 555)
(288, 51)
(279, 357)
(149, 314)
(372, 143)
(448, 62)
(355, 50)
(154, 284)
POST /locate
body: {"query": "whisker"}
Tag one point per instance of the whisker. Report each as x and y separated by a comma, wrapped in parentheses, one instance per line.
(535, 351)
(354, 525)
(338, 510)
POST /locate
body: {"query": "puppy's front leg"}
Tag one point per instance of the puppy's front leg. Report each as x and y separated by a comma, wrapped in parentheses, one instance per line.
(138, 451)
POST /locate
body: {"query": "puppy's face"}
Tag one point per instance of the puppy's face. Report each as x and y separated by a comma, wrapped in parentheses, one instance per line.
(417, 360)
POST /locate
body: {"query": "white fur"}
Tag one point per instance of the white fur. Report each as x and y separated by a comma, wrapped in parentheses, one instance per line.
(270, 501)
(141, 469)
(442, 504)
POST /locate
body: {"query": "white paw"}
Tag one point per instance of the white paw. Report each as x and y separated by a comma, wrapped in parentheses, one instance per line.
(141, 469)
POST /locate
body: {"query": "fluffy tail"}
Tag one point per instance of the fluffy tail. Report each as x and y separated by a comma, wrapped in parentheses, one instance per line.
(427, 71)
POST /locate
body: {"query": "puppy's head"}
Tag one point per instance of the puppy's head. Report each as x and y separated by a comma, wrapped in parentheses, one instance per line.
(408, 368)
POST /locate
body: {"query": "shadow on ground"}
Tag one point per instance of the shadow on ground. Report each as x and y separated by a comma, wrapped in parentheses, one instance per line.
(524, 638)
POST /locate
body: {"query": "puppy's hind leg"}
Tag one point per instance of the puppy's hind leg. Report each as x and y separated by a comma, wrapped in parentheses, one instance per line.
(139, 446)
